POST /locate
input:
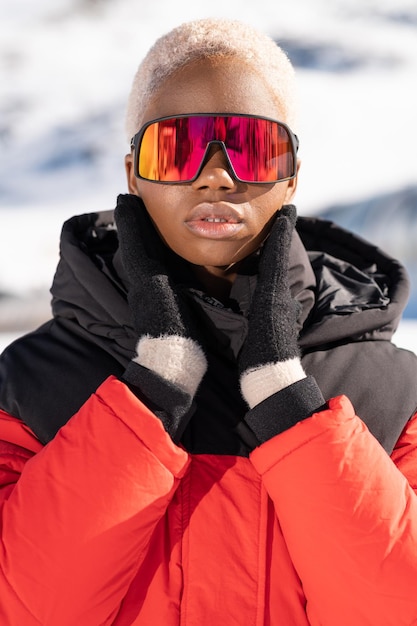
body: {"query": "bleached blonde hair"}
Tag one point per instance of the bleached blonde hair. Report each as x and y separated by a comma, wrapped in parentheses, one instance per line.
(207, 38)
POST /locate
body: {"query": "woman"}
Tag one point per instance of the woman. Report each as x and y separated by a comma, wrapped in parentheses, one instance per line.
(214, 426)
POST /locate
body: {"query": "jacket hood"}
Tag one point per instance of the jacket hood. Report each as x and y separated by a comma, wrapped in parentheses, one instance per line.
(348, 289)
(361, 291)
(88, 290)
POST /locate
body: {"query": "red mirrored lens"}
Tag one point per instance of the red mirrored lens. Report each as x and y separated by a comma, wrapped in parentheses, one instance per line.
(172, 150)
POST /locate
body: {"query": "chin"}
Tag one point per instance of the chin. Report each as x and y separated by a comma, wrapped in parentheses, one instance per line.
(216, 257)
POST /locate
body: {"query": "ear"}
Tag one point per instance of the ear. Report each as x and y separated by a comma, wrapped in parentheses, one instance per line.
(292, 186)
(130, 174)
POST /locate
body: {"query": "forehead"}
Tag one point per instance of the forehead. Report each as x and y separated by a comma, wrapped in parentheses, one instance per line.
(222, 85)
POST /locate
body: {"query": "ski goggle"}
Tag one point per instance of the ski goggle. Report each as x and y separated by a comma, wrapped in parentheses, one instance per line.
(173, 149)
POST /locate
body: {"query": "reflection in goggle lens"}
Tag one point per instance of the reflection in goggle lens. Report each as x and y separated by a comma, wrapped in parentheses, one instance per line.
(173, 149)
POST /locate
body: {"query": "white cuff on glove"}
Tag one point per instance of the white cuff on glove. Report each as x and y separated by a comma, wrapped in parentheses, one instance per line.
(179, 360)
(259, 383)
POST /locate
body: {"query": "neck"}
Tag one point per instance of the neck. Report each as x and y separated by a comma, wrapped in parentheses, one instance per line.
(217, 282)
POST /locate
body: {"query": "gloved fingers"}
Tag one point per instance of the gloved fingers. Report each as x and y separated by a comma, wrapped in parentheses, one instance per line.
(273, 266)
(140, 244)
(290, 212)
(157, 306)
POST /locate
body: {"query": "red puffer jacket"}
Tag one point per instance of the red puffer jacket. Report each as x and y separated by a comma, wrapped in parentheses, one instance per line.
(112, 524)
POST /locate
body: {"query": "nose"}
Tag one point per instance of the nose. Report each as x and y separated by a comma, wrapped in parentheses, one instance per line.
(216, 171)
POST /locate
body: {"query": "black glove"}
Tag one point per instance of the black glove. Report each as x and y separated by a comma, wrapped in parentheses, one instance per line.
(269, 361)
(168, 347)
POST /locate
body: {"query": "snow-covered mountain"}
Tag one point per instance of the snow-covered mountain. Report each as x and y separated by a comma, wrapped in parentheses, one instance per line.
(65, 73)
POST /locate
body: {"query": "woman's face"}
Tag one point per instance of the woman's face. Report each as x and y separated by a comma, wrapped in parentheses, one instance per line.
(214, 221)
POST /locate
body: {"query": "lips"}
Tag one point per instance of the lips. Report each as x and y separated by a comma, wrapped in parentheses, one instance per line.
(219, 211)
(214, 221)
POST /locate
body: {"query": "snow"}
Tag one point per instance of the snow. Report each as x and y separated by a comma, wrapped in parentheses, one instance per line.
(65, 73)
(406, 335)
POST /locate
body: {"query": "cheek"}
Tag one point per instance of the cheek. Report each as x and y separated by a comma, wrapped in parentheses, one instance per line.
(267, 205)
(156, 199)
(170, 234)
(280, 193)
(161, 209)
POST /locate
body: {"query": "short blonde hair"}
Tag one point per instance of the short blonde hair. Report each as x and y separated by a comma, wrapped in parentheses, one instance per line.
(207, 38)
